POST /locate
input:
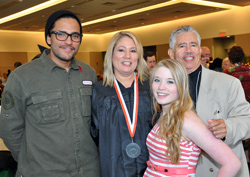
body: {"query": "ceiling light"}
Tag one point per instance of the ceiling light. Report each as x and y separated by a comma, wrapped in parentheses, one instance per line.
(164, 4)
(129, 13)
(208, 3)
(31, 10)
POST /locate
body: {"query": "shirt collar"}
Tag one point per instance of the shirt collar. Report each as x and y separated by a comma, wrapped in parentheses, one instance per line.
(196, 72)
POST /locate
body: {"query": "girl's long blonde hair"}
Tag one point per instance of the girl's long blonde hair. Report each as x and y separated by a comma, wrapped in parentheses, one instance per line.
(172, 122)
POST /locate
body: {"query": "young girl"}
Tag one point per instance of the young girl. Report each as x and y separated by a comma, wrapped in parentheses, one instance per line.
(175, 141)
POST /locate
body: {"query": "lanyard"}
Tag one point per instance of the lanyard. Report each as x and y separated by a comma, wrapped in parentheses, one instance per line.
(131, 126)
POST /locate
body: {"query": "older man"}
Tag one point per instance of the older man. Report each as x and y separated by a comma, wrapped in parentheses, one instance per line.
(205, 56)
(206, 51)
(219, 99)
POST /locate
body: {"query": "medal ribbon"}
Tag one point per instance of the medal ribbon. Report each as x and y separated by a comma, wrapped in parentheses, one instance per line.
(131, 126)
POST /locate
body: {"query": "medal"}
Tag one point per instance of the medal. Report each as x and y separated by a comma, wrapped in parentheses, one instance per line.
(133, 150)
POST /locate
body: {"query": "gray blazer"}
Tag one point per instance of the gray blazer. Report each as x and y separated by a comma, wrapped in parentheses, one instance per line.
(219, 91)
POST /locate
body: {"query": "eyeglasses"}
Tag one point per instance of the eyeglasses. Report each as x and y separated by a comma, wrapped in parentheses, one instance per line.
(63, 36)
(204, 58)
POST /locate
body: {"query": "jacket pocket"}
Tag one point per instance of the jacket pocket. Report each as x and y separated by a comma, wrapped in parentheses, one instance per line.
(49, 107)
(86, 93)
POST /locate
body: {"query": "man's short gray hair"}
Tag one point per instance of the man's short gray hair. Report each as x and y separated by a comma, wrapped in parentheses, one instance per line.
(182, 29)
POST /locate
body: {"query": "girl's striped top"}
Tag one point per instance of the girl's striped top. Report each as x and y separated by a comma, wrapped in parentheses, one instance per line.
(157, 156)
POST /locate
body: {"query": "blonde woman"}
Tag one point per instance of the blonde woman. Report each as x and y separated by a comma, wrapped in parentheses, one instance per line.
(121, 109)
(176, 140)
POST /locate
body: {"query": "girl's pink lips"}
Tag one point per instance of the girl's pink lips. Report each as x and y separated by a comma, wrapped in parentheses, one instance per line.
(161, 95)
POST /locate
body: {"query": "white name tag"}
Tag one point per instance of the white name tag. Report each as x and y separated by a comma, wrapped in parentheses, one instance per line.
(87, 82)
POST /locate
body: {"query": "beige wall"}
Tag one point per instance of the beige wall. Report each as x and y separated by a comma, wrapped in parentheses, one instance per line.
(83, 56)
(162, 52)
(243, 40)
(233, 22)
(219, 49)
(208, 43)
(96, 61)
(7, 60)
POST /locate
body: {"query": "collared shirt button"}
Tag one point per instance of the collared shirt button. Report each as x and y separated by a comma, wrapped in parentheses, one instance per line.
(211, 169)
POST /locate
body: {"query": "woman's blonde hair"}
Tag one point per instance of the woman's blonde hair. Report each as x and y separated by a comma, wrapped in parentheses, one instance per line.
(171, 123)
(141, 68)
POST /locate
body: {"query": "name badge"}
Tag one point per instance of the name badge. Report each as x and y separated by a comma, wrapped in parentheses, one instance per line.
(87, 82)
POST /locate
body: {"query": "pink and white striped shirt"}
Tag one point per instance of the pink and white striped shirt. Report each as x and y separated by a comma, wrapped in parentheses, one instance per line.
(159, 166)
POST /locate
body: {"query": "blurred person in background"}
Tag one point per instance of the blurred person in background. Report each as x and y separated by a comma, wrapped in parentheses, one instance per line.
(204, 61)
(206, 56)
(4, 78)
(17, 64)
(226, 64)
(1, 90)
(150, 59)
(239, 69)
(217, 65)
(242, 72)
(8, 72)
